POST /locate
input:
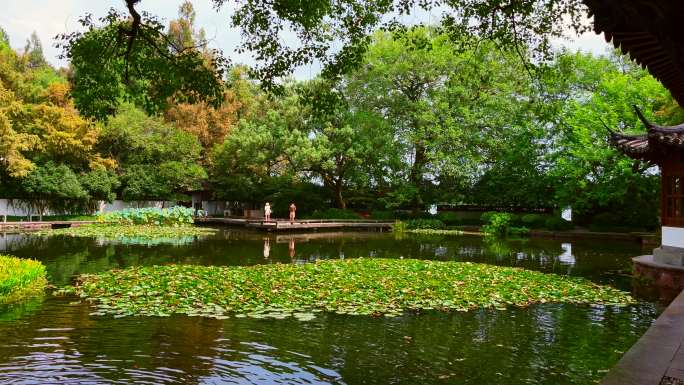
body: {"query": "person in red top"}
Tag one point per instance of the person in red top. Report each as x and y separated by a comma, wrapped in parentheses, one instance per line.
(293, 210)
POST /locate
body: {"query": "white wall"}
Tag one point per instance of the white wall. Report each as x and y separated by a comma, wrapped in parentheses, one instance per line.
(214, 207)
(673, 236)
(13, 208)
(117, 205)
(21, 209)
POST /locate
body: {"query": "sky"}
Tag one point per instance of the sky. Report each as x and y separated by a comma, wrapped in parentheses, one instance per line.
(48, 18)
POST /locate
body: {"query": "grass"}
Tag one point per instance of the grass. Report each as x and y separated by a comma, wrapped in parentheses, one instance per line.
(140, 233)
(356, 286)
(20, 278)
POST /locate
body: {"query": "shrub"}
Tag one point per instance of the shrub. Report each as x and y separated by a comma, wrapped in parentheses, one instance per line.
(497, 224)
(449, 218)
(609, 222)
(557, 223)
(423, 224)
(399, 227)
(334, 214)
(534, 221)
(174, 216)
(486, 216)
(20, 278)
(382, 215)
(518, 231)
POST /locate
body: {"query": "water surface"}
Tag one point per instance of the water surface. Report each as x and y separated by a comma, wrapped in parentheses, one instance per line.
(55, 340)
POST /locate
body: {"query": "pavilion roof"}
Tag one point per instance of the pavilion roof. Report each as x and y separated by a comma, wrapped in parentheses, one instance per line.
(653, 146)
(650, 31)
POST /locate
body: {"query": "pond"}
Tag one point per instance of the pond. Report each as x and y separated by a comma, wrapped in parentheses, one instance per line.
(56, 340)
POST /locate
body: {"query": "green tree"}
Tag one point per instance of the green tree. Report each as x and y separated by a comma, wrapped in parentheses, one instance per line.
(334, 33)
(100, 184)
(52, 186)
(134, 60)
(450, 109)
(249, 165)
(345, 148)
(155, 160)
(4, 39)
(590, 175)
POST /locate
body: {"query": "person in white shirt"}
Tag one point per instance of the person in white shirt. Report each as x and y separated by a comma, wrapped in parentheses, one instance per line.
(267, 212)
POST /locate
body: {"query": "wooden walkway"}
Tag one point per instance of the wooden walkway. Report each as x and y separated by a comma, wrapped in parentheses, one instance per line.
(304, 224)
(28, 226)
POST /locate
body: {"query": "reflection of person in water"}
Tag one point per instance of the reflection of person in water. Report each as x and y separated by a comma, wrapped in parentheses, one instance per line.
(291, 247)
(267, 247)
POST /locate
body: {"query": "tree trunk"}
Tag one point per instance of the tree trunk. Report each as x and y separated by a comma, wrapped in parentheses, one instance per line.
(416, 176)
(41, 209)
(338, 196)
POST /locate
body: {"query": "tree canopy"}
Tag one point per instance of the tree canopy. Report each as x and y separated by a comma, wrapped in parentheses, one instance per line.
(424, 116)
(130, 56)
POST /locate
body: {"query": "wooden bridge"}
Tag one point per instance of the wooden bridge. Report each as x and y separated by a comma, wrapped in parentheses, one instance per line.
(300, 224)
(273, 225)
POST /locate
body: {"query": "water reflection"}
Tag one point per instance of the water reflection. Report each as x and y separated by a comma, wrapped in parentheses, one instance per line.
(549, 344)
(604, 261)
(53, 340)
(267, 248)
(291, 247)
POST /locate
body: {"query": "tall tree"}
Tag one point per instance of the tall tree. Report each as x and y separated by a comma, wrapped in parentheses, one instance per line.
(33, 51)
(345, 148)
(155, 160)
(183, 35)
(590, 175)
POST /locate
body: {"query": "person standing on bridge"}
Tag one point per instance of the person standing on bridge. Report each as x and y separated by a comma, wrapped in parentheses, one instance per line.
(267, 212)
(293, 211)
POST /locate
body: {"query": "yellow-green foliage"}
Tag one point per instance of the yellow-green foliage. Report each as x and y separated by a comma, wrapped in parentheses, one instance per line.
(20, 278)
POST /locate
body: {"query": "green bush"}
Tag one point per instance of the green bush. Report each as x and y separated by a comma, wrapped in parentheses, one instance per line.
(498, 223)
(534, 221)
(382, 215)
(174, 216)
(518, 231)
(557, 224)
(486, 216)
(449, 218)
(619, 222)
(399, 227)
(20, 278)
(425, 224)
(334, 214)
(609, 221)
